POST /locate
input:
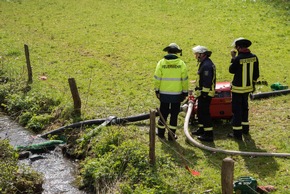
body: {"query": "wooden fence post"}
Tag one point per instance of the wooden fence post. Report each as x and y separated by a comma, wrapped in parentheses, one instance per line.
(152, 137)
(75, 96)
(29, 69)
(227, 176)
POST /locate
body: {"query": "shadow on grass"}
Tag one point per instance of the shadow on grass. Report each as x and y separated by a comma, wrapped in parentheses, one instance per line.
(183, 156)
(220, 128)
(264, 166)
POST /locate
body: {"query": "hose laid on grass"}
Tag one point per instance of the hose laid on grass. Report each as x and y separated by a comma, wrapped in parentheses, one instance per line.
(231, 152)
(40, 146)
(113, 120)
(269, 94)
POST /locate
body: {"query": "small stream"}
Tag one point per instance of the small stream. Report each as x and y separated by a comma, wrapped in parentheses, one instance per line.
(57, 170)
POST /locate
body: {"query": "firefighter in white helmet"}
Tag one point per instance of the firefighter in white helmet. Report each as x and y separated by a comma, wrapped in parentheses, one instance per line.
(245, 67)
(171, 88)
(204, 91)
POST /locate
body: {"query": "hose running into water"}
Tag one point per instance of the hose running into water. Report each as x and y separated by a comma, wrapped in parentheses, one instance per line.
(231, 152)
(192, 141)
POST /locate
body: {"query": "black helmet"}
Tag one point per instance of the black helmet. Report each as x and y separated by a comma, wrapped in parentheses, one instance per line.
(242, 42)
(173, 48)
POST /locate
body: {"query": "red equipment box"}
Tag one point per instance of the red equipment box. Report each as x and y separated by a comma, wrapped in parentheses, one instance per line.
(221, 104)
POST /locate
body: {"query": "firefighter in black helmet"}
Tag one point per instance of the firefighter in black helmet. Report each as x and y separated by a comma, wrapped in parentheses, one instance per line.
(245, 67)
(171, 88)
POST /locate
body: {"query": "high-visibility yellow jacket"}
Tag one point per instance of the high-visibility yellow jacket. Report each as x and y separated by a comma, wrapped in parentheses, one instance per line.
(171, 79)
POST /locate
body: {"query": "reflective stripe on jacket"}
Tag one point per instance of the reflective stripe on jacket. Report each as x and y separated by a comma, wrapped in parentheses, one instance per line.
(245, 68)
(171, 76)
(206, 78)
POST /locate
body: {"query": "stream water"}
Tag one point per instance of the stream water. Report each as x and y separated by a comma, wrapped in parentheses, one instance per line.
(57, 170)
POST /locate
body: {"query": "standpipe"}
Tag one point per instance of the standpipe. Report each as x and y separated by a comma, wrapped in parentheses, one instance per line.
(230, 152)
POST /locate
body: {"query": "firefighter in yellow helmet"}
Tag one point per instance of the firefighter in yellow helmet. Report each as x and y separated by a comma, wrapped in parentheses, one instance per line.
(204, 91)
(245, 67)
(171, 88)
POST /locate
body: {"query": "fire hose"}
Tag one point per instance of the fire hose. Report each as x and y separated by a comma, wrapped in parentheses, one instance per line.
(111, 119)
(115, 120)
(231, 152)
(269, 94)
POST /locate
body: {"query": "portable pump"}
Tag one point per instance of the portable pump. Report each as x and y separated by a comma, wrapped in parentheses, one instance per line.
(221, 103)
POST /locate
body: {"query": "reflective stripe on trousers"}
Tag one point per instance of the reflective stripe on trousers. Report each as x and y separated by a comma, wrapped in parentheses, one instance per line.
(169, 108)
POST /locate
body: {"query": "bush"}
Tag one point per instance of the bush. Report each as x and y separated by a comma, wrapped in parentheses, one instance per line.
(121, 162)
(38, 122)
(13, 178)
(36, 103)
(33, 111)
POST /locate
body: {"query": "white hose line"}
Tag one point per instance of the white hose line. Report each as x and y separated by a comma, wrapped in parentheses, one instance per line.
(232, 152)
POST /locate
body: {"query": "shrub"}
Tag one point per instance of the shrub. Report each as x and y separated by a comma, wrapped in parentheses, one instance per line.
(33, 111)
(36, 103)
(122, 159)
(38, 122)
(13, 178)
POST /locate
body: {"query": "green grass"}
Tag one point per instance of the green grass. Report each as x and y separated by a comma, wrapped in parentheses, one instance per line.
(111, 49)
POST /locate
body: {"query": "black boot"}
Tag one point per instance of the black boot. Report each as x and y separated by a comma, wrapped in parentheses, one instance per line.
(237, 134)
(199, 131)
(171, 135)
(246, 129)
(160, 133)
(207, 136)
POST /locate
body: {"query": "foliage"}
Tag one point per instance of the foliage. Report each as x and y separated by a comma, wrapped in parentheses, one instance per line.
(14, 179)
(33, 111)
(111, 49)
(119, 165)
(35, 103)
(8, 89)
(8, 164)
(39, 122)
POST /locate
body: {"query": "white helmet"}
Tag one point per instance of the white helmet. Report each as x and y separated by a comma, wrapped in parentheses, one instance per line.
(199, 49)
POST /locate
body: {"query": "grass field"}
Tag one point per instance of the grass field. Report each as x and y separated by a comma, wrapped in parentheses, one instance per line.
(111, 49)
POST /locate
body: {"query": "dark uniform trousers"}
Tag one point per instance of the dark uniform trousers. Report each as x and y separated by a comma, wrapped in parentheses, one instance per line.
(240, 109)
(169, 108)
(203, 113)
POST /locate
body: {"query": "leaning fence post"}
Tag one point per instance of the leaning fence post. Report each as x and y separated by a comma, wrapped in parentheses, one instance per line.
(75, 96)
(227, 174)
(29, 69)
(152, 137)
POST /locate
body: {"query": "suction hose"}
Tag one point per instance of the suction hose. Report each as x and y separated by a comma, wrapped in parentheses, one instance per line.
(269, 94)
(111, 119)
(231, 152)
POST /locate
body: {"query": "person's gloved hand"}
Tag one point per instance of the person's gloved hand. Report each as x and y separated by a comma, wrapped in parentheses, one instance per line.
(197, 93)
(233, 53)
